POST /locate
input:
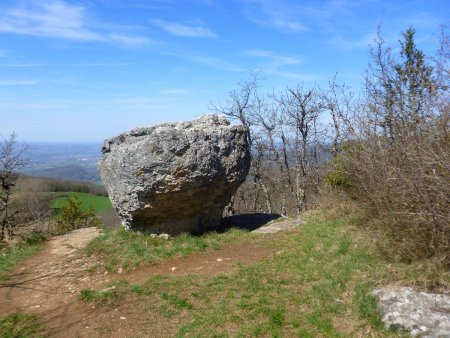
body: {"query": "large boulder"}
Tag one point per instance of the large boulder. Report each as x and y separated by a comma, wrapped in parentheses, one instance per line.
(175, 177)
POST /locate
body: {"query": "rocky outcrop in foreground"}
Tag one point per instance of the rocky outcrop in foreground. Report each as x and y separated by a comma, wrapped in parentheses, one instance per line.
(422, 314)
(175, 177)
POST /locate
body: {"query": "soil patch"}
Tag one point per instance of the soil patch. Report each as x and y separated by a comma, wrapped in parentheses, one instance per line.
(48, 283)
(213, 262)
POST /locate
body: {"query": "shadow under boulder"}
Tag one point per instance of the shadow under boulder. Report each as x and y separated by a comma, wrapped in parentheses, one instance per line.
(248, 222)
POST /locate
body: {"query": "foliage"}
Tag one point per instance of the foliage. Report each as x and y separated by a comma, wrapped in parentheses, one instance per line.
(72, 216)
(336, 176)
(20, 325)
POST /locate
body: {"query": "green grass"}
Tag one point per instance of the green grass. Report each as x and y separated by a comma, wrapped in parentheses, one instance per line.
(305, 291)
(317, 286)
(128, 249)
(11, 256)
(20, 325)
(99, 203)
(115, 291)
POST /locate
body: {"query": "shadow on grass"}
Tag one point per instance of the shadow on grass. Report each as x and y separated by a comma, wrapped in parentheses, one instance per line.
(246, 221)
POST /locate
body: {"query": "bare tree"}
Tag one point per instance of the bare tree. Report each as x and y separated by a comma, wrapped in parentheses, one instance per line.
(338, 100)
(33, 199)
(11, 158)
(244, 104)
(241, 103)
(302, 109)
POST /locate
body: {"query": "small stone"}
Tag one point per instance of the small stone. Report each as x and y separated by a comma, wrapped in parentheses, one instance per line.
(120, 270)
(106, 272)
(123, 318)
(173, 268)
(164, 236)
(219, 259)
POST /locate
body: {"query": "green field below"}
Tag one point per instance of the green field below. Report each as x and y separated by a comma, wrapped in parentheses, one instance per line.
(99, 203)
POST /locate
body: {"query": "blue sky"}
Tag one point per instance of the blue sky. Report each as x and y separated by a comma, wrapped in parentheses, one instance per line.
(84, 70)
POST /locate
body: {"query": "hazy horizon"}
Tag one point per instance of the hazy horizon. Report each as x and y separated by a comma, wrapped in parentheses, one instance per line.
(76, 71)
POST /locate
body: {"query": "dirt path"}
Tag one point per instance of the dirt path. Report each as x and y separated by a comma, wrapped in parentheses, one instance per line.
(48, 283)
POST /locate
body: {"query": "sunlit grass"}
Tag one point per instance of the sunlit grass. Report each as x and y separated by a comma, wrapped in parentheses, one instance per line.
(20, 325)
(128, 249)
(11, 256)
(316, 286)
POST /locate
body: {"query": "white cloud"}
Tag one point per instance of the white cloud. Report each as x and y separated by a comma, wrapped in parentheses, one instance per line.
(18, 82)
(292, 16)
(176, 91)
(48, 19)
(184, 30)
(215, 63)
(91, 64)
(207, 2)
(348, 43)
(277, 14)
(275, 64)
(275, 59)
(295, 76)
(208, 61)
(58, 19)
(21, 65)
(130, 40)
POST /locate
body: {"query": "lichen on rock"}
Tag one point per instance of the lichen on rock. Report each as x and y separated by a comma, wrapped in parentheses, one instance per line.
(422, 314)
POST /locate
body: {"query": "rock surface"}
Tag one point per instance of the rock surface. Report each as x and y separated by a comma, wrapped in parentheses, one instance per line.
(175, 177)
(422, 314)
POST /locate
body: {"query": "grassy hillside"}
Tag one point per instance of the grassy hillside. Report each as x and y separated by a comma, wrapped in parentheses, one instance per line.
(315, 285)
(311, 281)
(99, 203)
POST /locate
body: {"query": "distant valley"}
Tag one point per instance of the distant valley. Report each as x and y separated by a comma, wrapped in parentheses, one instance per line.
(63, 161)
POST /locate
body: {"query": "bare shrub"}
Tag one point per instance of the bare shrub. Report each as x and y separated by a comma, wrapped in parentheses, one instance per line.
(11, 159)
(32, 199)
(398, 162)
